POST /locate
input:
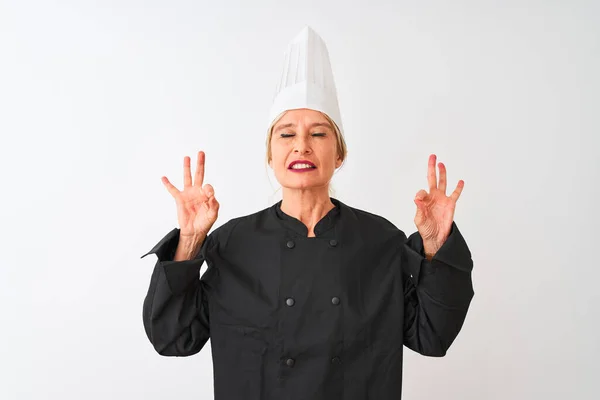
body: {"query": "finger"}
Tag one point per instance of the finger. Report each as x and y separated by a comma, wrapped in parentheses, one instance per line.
(208, 190)
(199, 177)
(421, 195)
(172, 189)
(187, 174)
(456, 194)
(442, 184)
(431, 175)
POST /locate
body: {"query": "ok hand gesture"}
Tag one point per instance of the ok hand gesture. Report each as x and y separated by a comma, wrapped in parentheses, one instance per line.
(197, 207)
(435, 210)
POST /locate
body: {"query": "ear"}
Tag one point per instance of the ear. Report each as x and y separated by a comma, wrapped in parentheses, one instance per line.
(338, 162)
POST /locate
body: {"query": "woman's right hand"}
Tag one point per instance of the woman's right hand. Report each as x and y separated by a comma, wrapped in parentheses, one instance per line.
(197, 207)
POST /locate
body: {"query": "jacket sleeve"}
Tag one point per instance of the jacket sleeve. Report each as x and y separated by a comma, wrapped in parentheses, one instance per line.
(437, 293)
(175, 310)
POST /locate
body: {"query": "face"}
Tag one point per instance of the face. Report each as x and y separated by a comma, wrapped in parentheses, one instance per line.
(304, 136)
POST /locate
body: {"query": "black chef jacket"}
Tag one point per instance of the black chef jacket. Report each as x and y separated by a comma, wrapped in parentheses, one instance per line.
(312, 318)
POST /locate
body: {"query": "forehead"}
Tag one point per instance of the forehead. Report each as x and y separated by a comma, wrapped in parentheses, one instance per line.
(302, 117)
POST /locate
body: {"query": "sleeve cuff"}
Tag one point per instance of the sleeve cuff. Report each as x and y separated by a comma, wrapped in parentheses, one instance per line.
(454, 252)
(166, 247)
(181, 274)
(413, 261)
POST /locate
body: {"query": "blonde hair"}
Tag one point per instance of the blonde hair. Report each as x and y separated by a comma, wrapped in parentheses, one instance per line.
(342, 150)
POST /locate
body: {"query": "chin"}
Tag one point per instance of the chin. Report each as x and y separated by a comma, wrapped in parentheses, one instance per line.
(303, 185)
(298, 181)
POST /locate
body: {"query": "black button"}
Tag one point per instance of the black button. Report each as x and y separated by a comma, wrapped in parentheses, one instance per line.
(333, 242)
(289, 301)
(290, 362)
(335, 301)
(290, 244)
(336, 360)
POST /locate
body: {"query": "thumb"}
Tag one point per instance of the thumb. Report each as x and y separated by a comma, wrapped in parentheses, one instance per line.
(214, 204)
(213, 208)
(419, 201)
(420, 205)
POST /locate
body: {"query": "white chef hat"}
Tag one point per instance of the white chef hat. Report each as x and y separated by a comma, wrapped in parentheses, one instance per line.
(307, 79)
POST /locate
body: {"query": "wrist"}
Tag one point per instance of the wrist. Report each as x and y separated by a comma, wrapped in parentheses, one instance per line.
(191, 240)
(429, 249)
(188, 247)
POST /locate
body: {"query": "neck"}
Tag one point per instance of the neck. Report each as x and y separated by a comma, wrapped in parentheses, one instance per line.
(308, 206)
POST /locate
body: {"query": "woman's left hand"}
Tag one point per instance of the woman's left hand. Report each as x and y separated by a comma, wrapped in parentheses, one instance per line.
(435, 210)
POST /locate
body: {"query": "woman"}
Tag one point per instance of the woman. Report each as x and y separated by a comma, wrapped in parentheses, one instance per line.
(309, 298)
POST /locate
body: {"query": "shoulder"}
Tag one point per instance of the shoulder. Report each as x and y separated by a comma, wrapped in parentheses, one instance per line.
(375, 231)
(251, 222)
(374, 228)
(369, 220)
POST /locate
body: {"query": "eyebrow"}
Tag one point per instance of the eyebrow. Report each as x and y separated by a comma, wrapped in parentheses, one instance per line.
(325, 124)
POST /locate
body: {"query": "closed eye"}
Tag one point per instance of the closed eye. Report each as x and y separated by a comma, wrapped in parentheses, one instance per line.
(286, 135)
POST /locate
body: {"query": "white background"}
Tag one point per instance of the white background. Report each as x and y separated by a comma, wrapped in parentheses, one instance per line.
(99, 99)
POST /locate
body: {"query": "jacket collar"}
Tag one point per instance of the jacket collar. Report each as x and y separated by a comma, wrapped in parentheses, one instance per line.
(294, 224)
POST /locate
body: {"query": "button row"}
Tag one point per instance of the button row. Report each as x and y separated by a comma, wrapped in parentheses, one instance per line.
(290, 243)
(290, 362)
(290, 301)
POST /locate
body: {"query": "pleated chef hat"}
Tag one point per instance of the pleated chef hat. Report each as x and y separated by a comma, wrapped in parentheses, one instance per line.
(307, 79)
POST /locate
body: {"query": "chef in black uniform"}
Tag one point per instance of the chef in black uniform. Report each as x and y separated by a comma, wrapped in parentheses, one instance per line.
(309, 298)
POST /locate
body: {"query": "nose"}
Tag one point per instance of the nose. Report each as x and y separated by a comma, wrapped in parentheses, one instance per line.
(301, 145)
